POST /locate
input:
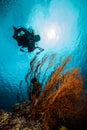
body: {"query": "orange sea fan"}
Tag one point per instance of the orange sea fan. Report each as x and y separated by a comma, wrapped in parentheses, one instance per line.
(64, 99)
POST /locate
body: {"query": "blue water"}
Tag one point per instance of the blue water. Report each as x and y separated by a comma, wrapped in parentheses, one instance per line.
(65, 20)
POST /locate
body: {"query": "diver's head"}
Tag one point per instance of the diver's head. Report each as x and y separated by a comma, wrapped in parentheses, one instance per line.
(37, 38)
(14, 28)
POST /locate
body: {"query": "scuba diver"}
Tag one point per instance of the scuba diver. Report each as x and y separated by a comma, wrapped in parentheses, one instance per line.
(26, 39)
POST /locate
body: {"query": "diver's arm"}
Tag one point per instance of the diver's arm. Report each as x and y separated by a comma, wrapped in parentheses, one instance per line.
(18, 30)
(26, 31)
(23, 29)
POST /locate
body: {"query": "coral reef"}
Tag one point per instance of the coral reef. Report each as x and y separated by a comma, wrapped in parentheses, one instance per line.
(62, 105)
(19, 119)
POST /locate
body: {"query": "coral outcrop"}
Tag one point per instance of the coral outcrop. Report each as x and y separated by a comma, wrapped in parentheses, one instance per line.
(62, 105)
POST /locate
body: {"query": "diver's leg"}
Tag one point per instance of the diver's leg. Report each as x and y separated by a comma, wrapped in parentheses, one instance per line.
(40, 50)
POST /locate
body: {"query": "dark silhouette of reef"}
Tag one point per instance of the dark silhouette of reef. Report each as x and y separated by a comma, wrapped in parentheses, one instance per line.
(61, 105)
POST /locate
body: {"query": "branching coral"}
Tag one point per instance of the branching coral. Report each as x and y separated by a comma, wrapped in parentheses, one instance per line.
(63, 100)
(62, 105)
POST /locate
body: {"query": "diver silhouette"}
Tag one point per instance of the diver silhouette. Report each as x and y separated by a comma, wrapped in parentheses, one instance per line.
(26, 39)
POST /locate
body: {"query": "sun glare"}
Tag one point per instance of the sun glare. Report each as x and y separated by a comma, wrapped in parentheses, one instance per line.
(51, 34)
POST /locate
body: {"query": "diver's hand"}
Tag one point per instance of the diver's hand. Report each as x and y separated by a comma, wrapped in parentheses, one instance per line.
(22, 50)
